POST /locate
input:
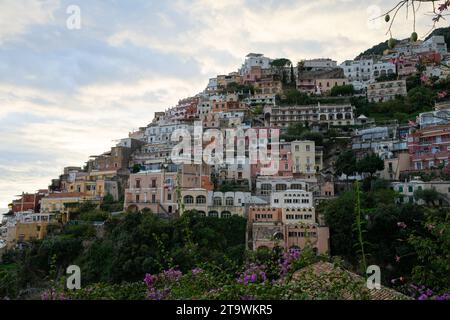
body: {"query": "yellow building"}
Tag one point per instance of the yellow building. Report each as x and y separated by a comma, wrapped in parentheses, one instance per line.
(64, 203)
(95, 185)
(306, 160)
(324, 86)
(28, 226)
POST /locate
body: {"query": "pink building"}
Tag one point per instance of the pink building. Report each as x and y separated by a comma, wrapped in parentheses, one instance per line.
(284, 163)
(430, 147)
(156, 189)
(267, 229)
(254, 75)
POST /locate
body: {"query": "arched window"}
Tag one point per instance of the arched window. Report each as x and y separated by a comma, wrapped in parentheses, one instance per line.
(201, 200)
(217, 201)
(188, 199)
(226, 214)
(202, 213)
(213, 214)
(229, 201)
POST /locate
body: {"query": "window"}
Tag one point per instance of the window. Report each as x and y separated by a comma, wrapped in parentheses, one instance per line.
(153, 198)
(410, 189)
(138, 184)
(226, 214)
(229, 201)
(189, 199)
(201, 200)
(213, 214)
(280, 187)
(308, 148)
(153, 183)
(217, 201)
(137, 198)
(169, 196)
(266, 189)
(400, 189)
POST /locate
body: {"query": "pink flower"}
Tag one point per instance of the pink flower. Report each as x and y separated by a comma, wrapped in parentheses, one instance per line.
(401, 225)
(424, 78)
(442, 94)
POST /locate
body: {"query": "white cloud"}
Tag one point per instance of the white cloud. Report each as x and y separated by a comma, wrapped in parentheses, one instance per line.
(18, 15)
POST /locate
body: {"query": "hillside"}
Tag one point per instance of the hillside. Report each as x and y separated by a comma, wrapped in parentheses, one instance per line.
(379, 48)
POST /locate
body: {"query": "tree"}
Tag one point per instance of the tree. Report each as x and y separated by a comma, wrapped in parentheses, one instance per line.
(432, 248)
(293, 96)
(346, 164)
(345, 90)
(294, 132)
(438, 13)
(339, 216)
(136, 168)
(429, 196)
(370, 164)
(317, 137)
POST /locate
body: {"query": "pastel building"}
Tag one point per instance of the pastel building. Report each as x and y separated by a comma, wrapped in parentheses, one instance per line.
(386, 90)
(156, 189)
(27, 201)
(406, 189)
(218, 204)
(27, 226)
(429, 147)
(289, 222)
(306, 160)
(332, 115)
(266, 185)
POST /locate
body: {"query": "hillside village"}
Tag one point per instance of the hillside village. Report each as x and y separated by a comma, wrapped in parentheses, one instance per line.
(264, 93)
(390, 112)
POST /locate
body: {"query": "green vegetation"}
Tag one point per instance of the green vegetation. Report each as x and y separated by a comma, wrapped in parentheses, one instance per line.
(419, 99)
(345, 90)
(407, 241)
(132, 245)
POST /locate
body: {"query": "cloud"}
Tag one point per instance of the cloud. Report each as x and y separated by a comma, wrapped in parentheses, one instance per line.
(17, 16)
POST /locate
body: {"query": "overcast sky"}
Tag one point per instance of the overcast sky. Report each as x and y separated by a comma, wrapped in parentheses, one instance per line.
(68, 94)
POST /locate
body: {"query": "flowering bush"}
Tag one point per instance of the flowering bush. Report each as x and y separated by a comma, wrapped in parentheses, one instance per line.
(253, 274)
(421, 292)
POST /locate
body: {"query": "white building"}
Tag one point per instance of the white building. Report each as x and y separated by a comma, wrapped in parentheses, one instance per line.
(254, 60)
(435, 43)
(212, 84)
(319, 64)
(261, 99)
(362, 72)
(292, 199)
(434, 118)
(407, 189)
(265, 185)
(162, 133)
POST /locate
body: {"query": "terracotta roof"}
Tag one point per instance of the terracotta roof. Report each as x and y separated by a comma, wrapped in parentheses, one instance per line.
(383, 293)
